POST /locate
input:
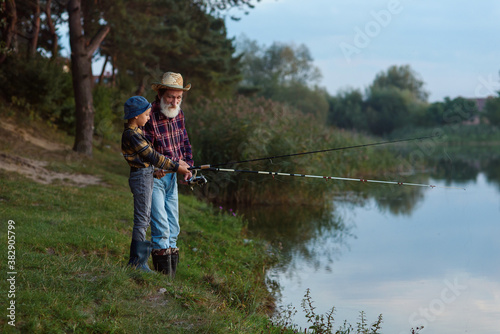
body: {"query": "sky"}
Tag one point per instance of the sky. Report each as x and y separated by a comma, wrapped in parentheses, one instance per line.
(450, 44)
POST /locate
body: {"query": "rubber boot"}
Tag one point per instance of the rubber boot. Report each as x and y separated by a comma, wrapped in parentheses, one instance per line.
(139, 255)
(162, 261)
(174, 260)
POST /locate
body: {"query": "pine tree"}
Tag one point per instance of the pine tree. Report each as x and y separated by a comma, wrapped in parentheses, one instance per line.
(153, 37)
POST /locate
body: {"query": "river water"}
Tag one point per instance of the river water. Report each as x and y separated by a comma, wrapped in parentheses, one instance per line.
(420, 257)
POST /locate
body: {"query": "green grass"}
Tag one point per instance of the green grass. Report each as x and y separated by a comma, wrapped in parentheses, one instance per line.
(72, 246)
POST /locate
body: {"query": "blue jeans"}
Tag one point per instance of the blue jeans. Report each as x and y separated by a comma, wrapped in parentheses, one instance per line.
(141, 185)
(165, 212)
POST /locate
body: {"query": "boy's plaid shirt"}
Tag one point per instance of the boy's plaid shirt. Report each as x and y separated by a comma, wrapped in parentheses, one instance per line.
(168, 135)
(139, 153)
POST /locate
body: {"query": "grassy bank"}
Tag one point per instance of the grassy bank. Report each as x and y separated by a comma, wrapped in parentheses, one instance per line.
(72, 243)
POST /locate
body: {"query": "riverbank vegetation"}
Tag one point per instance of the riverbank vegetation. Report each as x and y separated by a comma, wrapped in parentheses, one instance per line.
(263, 128)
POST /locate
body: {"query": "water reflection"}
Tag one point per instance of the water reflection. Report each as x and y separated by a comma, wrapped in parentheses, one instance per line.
(419, 256)
(292, 230)
(465, 164)
(397, 200)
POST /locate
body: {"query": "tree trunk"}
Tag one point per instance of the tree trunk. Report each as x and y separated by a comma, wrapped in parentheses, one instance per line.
(113, 76)
(52, 30)
(103, 69)
(82, 76)
(140, 88)
(10, 29)
(33, 39)
(81, 67)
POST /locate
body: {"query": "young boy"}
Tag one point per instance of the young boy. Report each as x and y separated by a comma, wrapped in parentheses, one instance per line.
(142, 158)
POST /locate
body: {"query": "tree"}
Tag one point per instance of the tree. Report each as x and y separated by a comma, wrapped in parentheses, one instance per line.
(278, 65)
(82, 50)
(204, 53)
(311, 101)
(433, 115)
(8, 28)
(346, 110)
(387, 109)
(394, 99)
(458, 110)
(49, 38)
(29, 26)
(492, 110)
(25, 20)
(151, 37)
(28, 78)
(402, 78)
(35, 31)
(287, 64)
(283, 73)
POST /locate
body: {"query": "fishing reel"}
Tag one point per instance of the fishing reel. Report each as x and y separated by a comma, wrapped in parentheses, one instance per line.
(196, 180)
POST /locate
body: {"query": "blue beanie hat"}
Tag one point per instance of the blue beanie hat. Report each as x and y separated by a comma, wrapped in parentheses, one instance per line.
(135, 106)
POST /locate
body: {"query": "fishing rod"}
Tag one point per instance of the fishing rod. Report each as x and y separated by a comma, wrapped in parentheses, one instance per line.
(311, 152)
(201, 179)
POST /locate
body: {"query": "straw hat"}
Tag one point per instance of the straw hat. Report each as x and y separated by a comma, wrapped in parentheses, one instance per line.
(170, 80)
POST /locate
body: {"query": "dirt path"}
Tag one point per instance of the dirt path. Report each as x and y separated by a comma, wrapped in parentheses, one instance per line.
(36, 169)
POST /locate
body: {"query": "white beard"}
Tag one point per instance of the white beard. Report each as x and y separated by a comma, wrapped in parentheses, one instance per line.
(169, 110)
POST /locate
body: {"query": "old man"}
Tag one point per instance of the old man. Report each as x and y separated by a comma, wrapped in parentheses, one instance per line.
(167, 132)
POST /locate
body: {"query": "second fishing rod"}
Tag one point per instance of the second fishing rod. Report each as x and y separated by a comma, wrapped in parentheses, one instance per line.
(200, 180)
(206, 166)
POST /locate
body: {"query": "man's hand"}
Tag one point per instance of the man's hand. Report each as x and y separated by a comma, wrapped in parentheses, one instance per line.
(183, 170)
(159, 173)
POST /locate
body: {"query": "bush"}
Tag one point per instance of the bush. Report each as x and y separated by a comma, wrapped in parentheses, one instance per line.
(241, 129)
(40, 86)
(108, 112)
(44, 89)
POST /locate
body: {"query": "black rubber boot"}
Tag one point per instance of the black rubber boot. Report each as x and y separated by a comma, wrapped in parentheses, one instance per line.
(162, 261)
(174, 260)
(139, 255)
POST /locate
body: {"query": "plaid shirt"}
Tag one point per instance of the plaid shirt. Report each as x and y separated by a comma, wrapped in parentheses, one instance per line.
(169, 135)
(139, 153)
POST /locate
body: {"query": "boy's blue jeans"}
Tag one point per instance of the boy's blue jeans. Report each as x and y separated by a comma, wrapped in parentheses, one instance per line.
(165, 212)
(141, 185)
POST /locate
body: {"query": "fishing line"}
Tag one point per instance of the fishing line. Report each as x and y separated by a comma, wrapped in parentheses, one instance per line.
(311, 152)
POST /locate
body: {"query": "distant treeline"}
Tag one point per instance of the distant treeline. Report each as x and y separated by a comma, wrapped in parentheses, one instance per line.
(147, 39)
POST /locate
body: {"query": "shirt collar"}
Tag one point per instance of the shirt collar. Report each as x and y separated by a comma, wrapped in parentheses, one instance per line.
(131, 127)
